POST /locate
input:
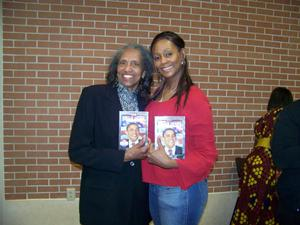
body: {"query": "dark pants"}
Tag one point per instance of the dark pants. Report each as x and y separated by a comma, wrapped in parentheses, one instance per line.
(288, 216)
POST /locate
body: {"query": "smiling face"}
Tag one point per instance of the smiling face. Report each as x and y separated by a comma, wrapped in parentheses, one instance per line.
(167, 58)
(169, 138)
(133, 132)
(130, 68)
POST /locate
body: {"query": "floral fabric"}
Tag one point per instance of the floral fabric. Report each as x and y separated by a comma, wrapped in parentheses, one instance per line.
(257, 201)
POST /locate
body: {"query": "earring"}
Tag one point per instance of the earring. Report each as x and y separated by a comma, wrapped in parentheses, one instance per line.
(143, 75)
(183, 61)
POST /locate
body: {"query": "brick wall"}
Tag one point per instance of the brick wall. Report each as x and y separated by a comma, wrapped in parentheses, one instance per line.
(238, 52)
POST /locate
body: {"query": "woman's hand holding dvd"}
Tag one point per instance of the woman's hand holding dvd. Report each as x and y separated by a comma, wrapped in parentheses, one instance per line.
(159, 157)
(137, 151)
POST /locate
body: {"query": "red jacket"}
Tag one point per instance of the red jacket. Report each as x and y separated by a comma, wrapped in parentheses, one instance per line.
(200, 150)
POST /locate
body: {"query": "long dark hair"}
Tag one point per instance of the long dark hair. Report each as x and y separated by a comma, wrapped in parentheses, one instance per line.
(280, 97)
(145, 83)
(185, 81)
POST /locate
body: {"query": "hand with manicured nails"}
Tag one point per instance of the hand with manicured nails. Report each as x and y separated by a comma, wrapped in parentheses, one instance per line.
(159, 157)
(137, 151)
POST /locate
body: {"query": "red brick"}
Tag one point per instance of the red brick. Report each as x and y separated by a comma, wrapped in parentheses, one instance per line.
(237, 50)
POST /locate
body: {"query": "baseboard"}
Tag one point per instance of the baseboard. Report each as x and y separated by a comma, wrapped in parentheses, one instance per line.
(60, 211)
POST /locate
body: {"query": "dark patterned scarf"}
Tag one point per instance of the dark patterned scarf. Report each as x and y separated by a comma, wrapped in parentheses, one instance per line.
(127, 98)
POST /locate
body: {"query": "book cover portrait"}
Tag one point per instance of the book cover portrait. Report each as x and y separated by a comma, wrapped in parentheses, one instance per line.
(133, 127)
(171, 131)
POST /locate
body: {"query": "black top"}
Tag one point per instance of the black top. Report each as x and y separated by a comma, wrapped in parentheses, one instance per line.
(111, 192)
(285, 147)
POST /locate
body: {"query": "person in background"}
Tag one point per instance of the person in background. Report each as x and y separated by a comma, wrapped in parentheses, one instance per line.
(112, 191)
(286, 155)
(178, 187)
(257, 200)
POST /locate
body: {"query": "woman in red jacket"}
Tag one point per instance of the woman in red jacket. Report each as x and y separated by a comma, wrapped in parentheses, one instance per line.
(178, 187)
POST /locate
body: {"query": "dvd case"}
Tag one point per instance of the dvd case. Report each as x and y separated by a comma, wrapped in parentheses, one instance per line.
(133, 127)
(171, 131)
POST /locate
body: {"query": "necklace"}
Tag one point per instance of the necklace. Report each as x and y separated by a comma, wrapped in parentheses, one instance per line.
(167, 95)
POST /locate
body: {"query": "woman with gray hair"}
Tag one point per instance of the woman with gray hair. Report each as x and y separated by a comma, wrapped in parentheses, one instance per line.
(112, 192)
